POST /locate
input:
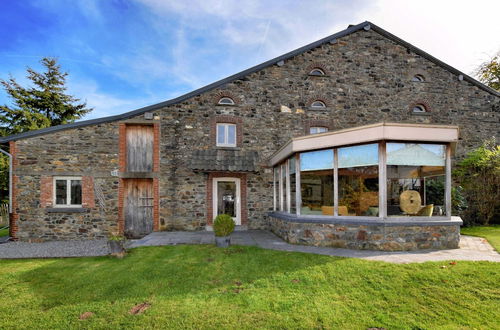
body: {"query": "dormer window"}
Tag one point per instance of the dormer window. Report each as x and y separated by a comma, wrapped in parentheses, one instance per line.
(226, 101)
(318, 104)
(317, 72)
(318, 130)
(418, 78)
(419, 108)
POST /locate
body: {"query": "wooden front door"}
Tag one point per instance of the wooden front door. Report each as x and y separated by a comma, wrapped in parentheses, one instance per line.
(139, 148)
(138, 207)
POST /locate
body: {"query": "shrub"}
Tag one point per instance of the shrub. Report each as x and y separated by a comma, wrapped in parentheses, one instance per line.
(479, 175)
(223, 225)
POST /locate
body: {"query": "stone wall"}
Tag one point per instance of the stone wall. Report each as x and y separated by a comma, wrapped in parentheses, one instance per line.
(368, 81)
(364, 236)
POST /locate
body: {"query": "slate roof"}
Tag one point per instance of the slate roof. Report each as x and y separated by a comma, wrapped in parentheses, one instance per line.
(224, 160)
(351, 29)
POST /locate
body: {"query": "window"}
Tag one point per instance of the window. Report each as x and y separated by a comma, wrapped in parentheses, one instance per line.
(317, 72)
(226, 135)
(418, 78)
(317, 130)
(318, 105)
(226, 101)
(67, 192)
(419, 108)
(316, 182)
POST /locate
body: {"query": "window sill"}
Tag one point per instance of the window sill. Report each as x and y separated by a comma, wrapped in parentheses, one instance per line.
(227, 148)
(421, 113)
(317, 109)
(66, 210)
(318, 75)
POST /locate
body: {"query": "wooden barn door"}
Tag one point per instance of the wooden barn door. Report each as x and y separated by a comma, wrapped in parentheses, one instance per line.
(139, 148)
(138, 207)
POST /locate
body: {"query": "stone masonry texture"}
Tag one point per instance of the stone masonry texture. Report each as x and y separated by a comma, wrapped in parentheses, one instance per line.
(368, 81)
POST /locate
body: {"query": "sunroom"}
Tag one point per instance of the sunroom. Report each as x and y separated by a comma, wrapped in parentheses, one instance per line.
(328, 186)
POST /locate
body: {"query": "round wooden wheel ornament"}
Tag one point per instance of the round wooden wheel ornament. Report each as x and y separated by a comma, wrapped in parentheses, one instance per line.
(410, 202)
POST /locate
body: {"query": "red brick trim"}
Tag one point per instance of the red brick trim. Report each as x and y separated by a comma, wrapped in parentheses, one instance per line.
(88, 198)
(46, 191)
(317, 65)
(317, 98)
(156, 204)
(121, 215)
(317, 123)
(423, 103)
(243, 187)
(122, 145)
(229, 120)
(222, 94)
(14, 216)
(156, 147)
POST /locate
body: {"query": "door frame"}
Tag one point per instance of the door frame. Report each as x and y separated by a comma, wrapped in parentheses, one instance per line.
(215, 197)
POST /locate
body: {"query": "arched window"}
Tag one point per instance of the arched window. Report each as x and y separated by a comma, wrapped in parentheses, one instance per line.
(318, 129)
(419, 108)
(226, 101)
(418, 78)
(317, 72)
(318, 105)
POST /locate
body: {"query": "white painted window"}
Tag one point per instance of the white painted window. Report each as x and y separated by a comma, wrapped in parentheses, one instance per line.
(318, 105)
(226, 135)
(317, 72)
(67, 191)
(419, 108)
(317, 130)
(226, 101)
(418, 78)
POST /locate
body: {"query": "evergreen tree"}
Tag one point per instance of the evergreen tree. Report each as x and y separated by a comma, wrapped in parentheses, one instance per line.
(42, 105)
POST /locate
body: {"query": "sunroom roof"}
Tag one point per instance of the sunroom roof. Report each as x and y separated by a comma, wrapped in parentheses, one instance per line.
(365, 134)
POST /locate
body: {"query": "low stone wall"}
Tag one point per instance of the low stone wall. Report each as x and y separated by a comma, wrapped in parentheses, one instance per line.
(367, 235)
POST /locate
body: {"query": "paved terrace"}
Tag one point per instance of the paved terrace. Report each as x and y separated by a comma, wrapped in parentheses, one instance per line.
(471, 248)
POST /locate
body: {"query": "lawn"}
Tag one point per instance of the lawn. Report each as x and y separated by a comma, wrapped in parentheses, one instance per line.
(246, 287)
(4, 232)
(491, 233)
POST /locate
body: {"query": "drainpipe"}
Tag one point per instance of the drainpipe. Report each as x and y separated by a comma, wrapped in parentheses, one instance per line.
(10, 178)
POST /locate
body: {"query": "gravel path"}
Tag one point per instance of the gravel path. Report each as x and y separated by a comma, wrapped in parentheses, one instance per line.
(55, 249)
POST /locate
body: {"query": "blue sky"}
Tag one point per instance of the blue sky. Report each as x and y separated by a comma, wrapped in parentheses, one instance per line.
(125, 54)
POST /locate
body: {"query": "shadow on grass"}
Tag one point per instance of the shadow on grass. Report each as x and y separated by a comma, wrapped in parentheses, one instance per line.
(166, 271)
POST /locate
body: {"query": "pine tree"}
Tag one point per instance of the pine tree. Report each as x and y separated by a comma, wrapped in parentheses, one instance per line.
(42, 105)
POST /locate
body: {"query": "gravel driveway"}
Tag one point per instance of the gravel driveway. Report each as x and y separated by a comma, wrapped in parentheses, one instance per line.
(55, 249)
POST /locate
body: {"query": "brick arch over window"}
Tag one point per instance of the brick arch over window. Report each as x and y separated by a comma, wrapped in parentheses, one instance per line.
(228, 120)
(228, 94)
(317, 123)
(317, 98)
(423, 103)
(317, 65)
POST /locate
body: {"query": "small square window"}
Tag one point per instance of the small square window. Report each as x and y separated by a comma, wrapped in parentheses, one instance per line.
(67, 192)
(317, 130)
(226, 135)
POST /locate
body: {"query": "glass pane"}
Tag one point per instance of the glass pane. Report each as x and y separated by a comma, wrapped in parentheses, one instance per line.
(226, 198)
(316, 160)
(415, 154)
(231, 135)
(415, 179)
(276, 188)
(291, 163)
(358, 191)
(76, 192)
(61, 198)
(363, 155)
(221, 134)
(284, 190)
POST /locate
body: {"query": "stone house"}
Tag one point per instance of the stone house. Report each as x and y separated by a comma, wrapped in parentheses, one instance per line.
(266, 145)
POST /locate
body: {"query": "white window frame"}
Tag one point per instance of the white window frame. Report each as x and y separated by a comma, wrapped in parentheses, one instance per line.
(68, 180)
(221, 101)
(421, 108)
(317, 72)
(321, 106)
(226, 135)
(318, 128)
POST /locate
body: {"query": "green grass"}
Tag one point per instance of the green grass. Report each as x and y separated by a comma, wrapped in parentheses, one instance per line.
(4, 232)
(246, 287)
(491, 233)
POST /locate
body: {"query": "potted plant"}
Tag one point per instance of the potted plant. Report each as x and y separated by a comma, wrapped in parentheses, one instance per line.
(223, 227)
(116, 244)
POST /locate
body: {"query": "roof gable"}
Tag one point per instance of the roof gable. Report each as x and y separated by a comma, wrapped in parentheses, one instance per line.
(332, 38)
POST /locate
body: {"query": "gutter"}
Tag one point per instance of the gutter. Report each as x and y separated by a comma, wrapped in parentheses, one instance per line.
(10, 178)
